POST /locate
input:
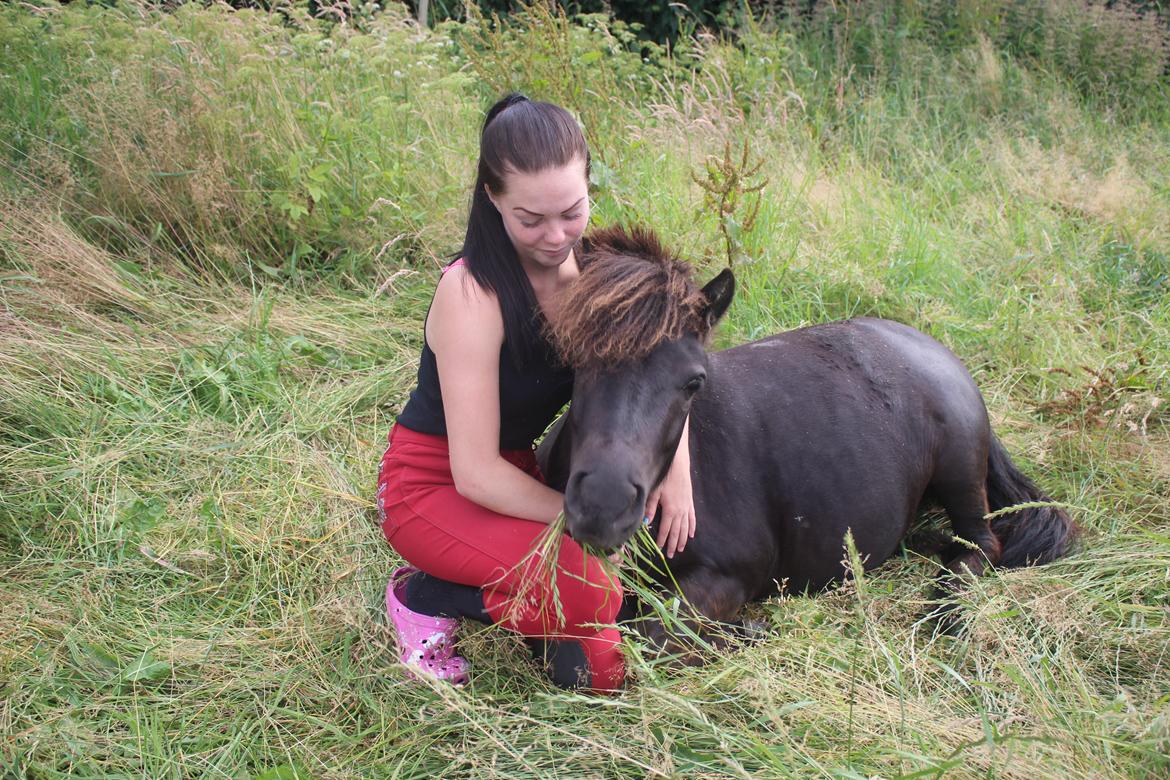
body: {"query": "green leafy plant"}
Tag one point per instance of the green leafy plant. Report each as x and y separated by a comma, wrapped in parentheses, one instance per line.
(732, 188)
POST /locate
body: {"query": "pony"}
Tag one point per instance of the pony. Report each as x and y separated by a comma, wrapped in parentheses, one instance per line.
(795, 439)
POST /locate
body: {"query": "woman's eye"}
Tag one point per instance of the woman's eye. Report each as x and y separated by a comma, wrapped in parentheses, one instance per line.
(572, 216)
(530, 224)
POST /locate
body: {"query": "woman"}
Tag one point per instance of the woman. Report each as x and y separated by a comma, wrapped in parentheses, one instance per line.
(459, 493)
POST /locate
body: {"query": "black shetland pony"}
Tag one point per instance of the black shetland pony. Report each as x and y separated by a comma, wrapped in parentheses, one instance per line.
(794, 439)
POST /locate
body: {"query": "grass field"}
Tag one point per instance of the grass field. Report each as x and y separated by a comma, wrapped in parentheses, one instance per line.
(219, 233)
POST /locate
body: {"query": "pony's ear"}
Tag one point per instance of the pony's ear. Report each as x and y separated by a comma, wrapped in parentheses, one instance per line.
(718, 293)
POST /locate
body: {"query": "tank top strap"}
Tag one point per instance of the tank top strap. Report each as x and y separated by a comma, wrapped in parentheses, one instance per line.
(449, 266)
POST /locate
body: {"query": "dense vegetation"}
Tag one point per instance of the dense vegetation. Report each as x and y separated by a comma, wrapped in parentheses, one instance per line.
(219, 232)
(942, 20)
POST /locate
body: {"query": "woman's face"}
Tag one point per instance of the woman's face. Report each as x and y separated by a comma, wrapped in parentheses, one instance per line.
(544, 213)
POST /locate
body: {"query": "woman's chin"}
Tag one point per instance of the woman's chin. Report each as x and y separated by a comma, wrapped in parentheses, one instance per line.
(546, 260)
(556, 257)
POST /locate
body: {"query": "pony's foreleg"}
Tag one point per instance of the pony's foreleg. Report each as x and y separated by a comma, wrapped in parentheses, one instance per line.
(711, 603)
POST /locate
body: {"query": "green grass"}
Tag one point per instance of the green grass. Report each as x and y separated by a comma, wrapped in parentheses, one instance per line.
(218, 237)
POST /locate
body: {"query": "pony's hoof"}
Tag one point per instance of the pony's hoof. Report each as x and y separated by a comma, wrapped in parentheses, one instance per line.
(944, 615)
(750, 632)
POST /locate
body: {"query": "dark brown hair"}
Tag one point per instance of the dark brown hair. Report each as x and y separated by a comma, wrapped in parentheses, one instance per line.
(632, 295)
(519, 135)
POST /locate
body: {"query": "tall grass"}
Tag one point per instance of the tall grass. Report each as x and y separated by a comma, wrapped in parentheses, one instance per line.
(219, 233)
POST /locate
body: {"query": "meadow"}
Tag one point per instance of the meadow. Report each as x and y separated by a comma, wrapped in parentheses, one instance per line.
(219, 234)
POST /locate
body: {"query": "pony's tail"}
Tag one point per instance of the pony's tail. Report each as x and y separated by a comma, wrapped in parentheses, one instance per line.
(1033, 535)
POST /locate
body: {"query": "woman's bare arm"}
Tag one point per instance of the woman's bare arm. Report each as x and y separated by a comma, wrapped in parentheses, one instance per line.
(465, 330)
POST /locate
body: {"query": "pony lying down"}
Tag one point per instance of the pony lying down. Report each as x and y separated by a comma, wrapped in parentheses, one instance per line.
(795, 439)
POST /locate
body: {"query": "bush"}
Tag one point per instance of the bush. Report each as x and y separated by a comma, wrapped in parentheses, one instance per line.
(1111, 49)
(591, 65)
(243, 142)
(661, 21)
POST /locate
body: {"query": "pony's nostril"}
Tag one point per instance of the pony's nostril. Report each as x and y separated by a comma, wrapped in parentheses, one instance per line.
(639, 502)
(576, 479)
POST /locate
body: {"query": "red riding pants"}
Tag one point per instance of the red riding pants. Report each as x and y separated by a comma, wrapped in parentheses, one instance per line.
(434, 528)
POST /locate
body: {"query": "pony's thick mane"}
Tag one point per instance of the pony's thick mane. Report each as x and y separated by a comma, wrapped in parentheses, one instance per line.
(632, 295)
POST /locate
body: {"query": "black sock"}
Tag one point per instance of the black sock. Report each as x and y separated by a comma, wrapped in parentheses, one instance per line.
(564, 660)
(439, 598)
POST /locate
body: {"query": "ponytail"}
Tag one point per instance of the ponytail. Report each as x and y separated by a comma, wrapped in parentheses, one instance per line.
(527, 136)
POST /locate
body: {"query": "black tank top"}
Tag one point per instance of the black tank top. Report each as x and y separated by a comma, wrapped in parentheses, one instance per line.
(530, 397)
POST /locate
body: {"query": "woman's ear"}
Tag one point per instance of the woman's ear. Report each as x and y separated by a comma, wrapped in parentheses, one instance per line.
(490, 195)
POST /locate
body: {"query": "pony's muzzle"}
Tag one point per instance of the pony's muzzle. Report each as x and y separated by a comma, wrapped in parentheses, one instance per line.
(603, 509)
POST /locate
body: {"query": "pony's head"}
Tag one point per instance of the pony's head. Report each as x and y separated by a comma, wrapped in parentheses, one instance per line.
(633, 327)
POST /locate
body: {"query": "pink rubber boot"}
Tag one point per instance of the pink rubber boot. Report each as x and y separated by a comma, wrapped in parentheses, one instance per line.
(425, 644)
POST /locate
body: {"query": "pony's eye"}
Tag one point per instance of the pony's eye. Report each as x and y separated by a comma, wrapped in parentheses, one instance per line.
(695, 385)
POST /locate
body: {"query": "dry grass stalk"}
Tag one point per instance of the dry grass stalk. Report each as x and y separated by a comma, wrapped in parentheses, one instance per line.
(66, 269)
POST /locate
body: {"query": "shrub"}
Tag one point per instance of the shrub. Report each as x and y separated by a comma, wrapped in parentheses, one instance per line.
(1112, 49)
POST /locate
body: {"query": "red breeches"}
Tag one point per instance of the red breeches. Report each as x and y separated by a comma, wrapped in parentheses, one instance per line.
(447, 536)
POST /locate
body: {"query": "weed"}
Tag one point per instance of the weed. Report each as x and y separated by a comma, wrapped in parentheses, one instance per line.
(1126, 394)
(732, 188)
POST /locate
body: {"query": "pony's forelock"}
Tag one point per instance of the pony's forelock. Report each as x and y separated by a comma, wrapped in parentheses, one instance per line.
(632, 296)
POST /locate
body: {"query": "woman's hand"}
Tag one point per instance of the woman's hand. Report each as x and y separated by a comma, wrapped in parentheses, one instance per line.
(677, 499)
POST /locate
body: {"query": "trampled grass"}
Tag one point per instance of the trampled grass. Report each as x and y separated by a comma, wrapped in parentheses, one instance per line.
(218, 237)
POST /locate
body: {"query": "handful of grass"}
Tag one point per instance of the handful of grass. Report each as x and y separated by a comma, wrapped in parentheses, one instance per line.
(639, 566)
(538, 576)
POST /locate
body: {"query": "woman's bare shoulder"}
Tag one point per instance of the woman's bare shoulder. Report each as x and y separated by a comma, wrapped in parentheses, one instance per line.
(457, 281)
(465, 307)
